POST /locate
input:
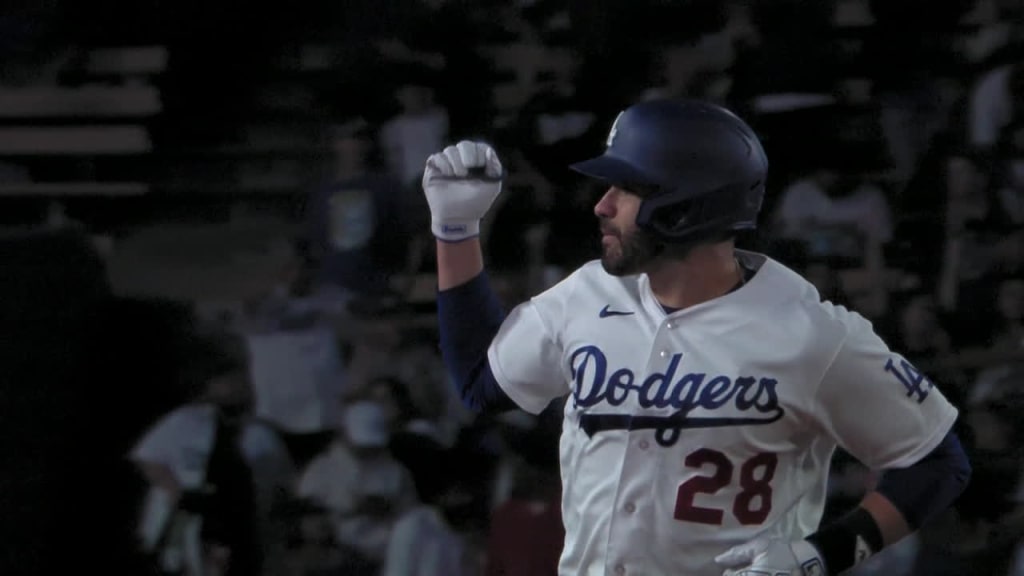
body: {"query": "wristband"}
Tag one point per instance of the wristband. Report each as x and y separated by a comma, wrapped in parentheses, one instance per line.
(848, 541)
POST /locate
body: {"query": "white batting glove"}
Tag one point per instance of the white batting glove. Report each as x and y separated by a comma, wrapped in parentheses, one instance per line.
(461, 183)
(772, 557)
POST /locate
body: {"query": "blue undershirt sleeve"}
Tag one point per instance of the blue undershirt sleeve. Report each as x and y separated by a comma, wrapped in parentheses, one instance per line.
(919, 492)
(469, 317)
(931, 485)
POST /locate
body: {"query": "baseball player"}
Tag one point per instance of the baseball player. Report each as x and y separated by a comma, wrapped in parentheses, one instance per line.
(707, 387)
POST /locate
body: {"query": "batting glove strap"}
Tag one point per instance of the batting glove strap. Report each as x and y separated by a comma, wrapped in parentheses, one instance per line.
(455, 230)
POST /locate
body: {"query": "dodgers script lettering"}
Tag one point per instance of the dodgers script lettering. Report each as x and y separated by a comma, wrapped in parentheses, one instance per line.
(754, 399)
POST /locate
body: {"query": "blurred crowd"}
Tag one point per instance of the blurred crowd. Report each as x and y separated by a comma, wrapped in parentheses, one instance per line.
(320, 435)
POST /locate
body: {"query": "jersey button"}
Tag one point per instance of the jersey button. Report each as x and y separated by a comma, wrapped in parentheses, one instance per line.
(620, 569)
(669, 325)
(644, 445)
(630, 508)
(663, 353)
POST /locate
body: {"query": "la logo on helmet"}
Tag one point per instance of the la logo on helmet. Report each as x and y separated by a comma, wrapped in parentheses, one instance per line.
(614, 131)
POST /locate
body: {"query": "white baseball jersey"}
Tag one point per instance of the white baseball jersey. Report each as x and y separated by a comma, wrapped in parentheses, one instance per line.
(691, 432)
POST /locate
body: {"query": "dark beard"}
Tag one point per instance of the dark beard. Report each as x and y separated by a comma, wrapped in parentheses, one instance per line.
(638, 249)
(641, 248)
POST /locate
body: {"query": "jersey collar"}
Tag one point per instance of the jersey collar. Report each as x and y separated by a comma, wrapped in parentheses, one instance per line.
(771, 285)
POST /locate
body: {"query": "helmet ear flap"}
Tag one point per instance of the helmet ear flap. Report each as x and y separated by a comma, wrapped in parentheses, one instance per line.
(675, 217)
(670, 219)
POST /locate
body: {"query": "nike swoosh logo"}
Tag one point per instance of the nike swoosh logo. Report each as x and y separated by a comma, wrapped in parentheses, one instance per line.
(605, 312)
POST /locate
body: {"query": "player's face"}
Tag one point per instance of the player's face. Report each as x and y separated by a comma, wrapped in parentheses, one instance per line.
(625, 249)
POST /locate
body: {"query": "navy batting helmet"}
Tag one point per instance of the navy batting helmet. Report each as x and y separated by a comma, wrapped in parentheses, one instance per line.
(700, 169)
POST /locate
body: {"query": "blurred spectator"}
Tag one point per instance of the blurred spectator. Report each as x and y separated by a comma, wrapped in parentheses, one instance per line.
(357, 221)
(918, 332)
(1008, 334)
(824, 275)
(518, 227)
(975, 263)
(632, 65)
(839, 215)
(297, 358)
(386, 351)
(912, 73)
(1009, 196)
(991, 507)
(1009, 250)
(36, 43)
(418, 130)
(526, 532)
(375, 346)
(787, 31)
(994, 104)
(427, 540)
(415, 440)
(442, 40)
(703, 67)
(216, 475)
(967, 252)
(998, 28)
(363, 489)
(439, 411)
(553, 127)
(948, 191)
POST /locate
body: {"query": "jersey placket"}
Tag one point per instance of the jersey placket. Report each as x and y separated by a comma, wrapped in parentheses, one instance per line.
(632, 519)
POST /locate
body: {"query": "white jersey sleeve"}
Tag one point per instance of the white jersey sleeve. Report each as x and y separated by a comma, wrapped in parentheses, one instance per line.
(182, 441)
(526, 354)
(876, 405)
(160, 443)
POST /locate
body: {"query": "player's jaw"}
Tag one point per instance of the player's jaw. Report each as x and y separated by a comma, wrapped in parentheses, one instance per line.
(625, 253)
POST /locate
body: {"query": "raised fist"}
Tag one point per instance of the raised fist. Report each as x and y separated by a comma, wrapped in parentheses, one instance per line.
(461, 183)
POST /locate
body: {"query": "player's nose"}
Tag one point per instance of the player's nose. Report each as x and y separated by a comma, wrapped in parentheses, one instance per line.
(605, 207)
